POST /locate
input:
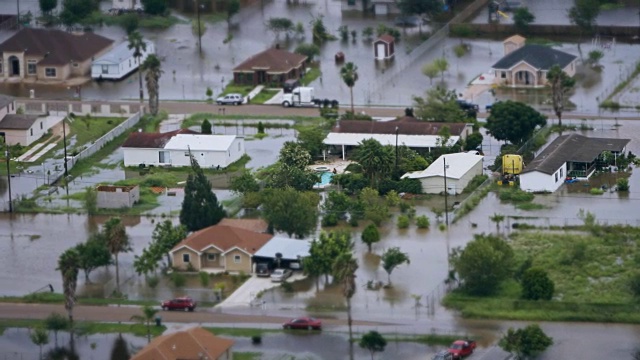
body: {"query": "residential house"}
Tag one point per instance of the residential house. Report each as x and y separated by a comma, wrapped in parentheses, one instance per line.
(7, 105)
(117, 197)
(457, 168)
(527, 65)
(256, 225)
(291, 252)
(46, 55)
(126, 4)
(573, 156)
(173, 149)
(273, 66)
(407, 131)
(219, 248)
(120, 61)
(195, 343)
(25, 129)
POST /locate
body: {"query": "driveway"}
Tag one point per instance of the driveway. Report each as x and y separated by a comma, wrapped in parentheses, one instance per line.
(245, 295)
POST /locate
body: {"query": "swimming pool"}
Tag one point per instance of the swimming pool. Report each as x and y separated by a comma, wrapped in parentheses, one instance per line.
(325, 179)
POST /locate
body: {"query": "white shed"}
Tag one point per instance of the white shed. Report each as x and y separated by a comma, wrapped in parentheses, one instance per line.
(25, 129)
(119, 62)
(460, 169)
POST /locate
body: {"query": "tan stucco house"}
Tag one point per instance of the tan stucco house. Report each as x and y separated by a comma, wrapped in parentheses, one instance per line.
(273, 66)
(194, 343)
(527, 65)
(42, 55)
(219, 248)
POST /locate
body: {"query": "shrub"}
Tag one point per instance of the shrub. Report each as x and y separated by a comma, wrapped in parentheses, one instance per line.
(442, 227)
(286, 287)
(462, 30)
(353, 221)
(596, 191)
(178, 279)
(256, 339)
(634, 285)
(610, 104)
(204, 278)
(516, 196)
(403, 222)
(536, 285)
(392, 197)
(330, 220)
(622, 184)
(423, 222)
(220, 286)
(404, 206)
(152, 281)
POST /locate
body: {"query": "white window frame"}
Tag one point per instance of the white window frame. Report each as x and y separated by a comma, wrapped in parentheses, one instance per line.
(186, 258)
(55, 72)
(237, 259)
(29, 68)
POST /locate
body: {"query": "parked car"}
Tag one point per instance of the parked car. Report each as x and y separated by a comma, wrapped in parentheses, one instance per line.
(303, 323)
(443, 355)
(230, 99)
(470, 108)
(462, 348)
(280, 275)
(182, 303)
(263, 270)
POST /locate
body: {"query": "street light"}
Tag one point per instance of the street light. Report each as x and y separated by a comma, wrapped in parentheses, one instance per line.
(446, 192)
(4, 137)
(396, 149)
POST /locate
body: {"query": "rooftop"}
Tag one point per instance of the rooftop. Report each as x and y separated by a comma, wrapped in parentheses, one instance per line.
(5, 100)
(200, 142)
(539, 56)
(152, 140)
(291, 249)
(406, 125)
(257, 225)
(195, 343)
(225, 238)
(412, 141)
(458, 164)
(274, 61)
(17, 121)
(118, 54)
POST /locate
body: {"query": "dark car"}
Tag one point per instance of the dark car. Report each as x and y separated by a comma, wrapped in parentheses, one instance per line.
(443, 355)
(263, 270)
(303, 323)
(182, 303)
(470, 108)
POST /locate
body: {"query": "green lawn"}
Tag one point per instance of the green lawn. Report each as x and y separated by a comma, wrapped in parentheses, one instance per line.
(88, 328)
(244, 90)
(312, 74)
(264, 95)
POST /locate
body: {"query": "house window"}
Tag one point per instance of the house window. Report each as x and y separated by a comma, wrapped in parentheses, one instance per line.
(556, 177)
(31, 67)
(31, 132)
(50, 72)
(503, 74)
(40, 125)
(561, 173)
(105, 69)
(186, 258)
(75, 65)
(211, 257)
(163, 157)
(237, 259)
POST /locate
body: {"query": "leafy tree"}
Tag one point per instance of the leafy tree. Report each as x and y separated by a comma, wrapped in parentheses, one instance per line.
(198, 28)
(324, 251)
(444, 135)
(583, 14)
(165, 236)
(74, 11)
(308, 50)
(91, 200)
(344, 271)
(46, 6)
(439, 105)
(148, 314)
(282, 176)
(68, 265)
(373, 341)
(299, 29)
(370, 235)
(278, 25)
(367, 33)
(117, 241)
(594, 57)
(200, 207)
(311, 139)
(391, 259)
(40, 337)
(430, 70)
(205, 127)
(536, 285)
(497, 218)
(293, 155)
(349, 74)
(93, 254)
(139, 46)
(244, 183)
(634, 284)
(374, 207)
(526, 342)
(337, 203)
(409, 160)
(153, 72)
(129, 22)
(561, 84)
(56, 322)
(233, 7)
(318, 30)
(483, 264)
(154, 7)
(376, 160)
(442, 65)
(513, 121)
(291, 211)
(522, 17)
(473, 141)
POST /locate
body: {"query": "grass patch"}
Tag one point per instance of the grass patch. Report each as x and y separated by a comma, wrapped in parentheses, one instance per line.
(57, 298)
(197, 118)
(530, 206)
(429, 339)
(246, 355)
(471, 202)
(608, 103)
(243, 90)
(264, 95)
(310, 76)
(88, 328)
(158, 22)
(514, 195)
(475, 183)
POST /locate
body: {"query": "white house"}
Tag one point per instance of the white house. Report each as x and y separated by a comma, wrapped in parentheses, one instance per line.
(119, 61)
(173, 148)
(7, 106)
(25, 129)
(573, 156)
(460, 169)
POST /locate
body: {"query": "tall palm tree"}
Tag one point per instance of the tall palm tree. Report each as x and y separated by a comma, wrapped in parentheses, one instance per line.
(69, 266)
(117, 242)
(148, 314)
(138, 45)
(344, 271)
(560, 84)
(349, 74)
(153, 69)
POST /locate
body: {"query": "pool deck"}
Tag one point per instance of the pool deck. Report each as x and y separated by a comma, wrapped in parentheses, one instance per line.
(338, 166)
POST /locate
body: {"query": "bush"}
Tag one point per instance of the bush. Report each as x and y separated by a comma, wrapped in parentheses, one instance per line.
(353, 221)
(634, 285)
(410, 186)
(622, 184)
(462, 30)
(286, 287)
(256, 339)
(309, 50)
(178, 279)
(516, 196)
(610, 104)
(204, 278)
(423, 222)
(329, 220)
(596, 191)
(536, 285)
(393, 199)
(152, 281)
(403, 222)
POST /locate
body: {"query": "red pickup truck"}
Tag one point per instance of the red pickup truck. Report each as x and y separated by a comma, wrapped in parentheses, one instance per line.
(462, 348)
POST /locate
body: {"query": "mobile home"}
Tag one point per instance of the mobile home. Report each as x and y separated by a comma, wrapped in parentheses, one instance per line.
(119, 62)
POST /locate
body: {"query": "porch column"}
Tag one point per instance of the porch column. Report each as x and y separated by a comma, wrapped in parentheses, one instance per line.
(342, 151)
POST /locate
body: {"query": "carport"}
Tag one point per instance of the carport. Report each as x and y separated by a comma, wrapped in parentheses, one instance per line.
(291, 251)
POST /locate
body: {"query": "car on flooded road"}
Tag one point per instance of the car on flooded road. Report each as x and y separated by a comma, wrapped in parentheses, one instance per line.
(280, 275)
(230, 99)
(303, 323)
(182, 303)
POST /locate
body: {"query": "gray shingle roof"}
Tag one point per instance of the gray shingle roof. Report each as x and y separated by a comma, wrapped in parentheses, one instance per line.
(5, 100)
(539, 56)
(572, 148)
(17, 122)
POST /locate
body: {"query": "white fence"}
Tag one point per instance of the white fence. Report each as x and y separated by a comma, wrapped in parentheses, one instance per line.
(120, 109)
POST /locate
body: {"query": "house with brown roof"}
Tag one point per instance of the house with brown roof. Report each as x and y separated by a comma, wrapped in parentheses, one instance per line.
(195, 343)
(219, 248)
(273, 66)
(404, 131)
(45, 55)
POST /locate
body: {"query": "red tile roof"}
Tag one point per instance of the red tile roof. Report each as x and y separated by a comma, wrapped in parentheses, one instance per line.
(225, 237)
(257, 225)
(274, 61)
(195, 343)
(386, 38)
(58, 47)
(406, 126)
(152, 140)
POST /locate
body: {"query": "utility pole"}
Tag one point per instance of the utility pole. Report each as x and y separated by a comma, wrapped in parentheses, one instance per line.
(64, 139)
(4, 136)
(18, 17)
(199, 28)
(446, 192)
(396, 149)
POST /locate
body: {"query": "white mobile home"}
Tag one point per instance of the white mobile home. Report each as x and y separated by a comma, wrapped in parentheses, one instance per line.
(119, 62)
(460, 168)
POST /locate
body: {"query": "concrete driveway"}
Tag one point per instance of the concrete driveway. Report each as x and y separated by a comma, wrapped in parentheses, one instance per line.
(245, 295)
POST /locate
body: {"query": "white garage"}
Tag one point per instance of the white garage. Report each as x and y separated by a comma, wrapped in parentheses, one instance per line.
(460, 168)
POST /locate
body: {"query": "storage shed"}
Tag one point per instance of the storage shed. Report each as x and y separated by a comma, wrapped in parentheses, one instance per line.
(116, 197)
(459, 168)
(384, 47)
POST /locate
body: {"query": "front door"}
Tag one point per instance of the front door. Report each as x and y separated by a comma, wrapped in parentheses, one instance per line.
(15, 66)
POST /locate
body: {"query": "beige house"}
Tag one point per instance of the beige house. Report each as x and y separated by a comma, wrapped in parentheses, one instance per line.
(219, 248)
(44, 55)
(195, 343)
(527, 65)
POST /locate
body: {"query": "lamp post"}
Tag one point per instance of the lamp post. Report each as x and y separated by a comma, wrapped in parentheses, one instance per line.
(446, 192)
(64, 139)
(4, 137)
(396, 149)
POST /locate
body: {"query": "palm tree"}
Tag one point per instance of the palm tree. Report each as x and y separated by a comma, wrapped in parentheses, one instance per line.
(561, 84)
(148, 314)
(68, 265)
(344, 271)
(497, 218)
(349, 74)
(153, 70)
(138, 45)
(117, 242)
